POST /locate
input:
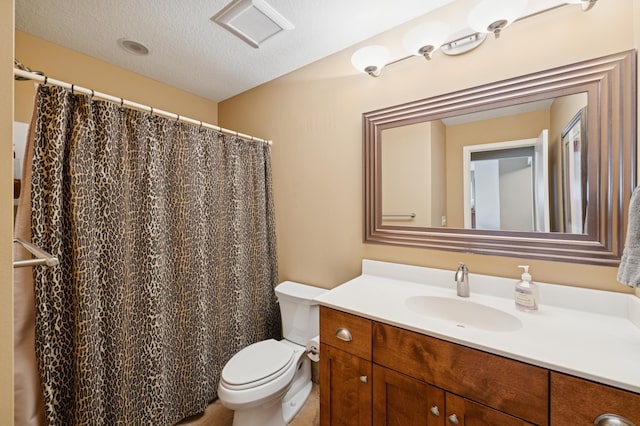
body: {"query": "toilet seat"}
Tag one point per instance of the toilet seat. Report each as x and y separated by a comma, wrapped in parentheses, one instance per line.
(257, 364)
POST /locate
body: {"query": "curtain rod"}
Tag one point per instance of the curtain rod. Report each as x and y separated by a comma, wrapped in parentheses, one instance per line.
(123, 102)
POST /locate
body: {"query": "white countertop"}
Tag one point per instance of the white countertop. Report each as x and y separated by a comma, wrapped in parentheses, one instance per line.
(587, 333)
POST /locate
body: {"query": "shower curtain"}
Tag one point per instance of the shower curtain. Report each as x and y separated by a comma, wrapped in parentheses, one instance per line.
(166, 240)
(28, 399)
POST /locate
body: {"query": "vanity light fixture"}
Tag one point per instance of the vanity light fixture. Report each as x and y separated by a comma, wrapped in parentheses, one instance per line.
(370, 59)
(487, 17)
(425, 39)
(492, 16)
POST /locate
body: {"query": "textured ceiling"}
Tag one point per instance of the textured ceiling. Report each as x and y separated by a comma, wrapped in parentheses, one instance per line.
(190, 52)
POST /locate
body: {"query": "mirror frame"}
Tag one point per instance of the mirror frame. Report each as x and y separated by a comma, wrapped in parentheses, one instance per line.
(610, 83)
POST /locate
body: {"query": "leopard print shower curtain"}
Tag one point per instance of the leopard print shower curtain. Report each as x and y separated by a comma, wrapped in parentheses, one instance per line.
(166, 241)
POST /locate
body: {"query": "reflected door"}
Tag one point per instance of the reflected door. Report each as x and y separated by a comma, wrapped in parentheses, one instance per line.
(506, 185)
(541, 183)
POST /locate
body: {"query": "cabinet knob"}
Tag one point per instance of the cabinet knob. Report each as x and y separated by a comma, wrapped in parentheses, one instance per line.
(612, 420)
(364, 379)
(344, 334)
(434, 410)
(453, 419)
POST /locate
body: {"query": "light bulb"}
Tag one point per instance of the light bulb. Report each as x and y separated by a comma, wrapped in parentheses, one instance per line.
(586, 4)
(370, 59)
(425, 38)
(492, 16)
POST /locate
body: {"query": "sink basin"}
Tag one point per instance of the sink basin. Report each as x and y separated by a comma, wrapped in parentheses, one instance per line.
(464, 313)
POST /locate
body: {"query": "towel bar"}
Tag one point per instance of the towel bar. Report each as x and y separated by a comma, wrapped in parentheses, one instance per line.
(399, 216)
(41, 256)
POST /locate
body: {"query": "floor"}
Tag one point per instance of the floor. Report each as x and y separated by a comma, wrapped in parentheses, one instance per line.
(217, 415)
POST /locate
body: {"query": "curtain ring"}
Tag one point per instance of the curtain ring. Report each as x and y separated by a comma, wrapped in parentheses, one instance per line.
(177, 117)
(121, 102)
(72, 89)
(92, 93)
(151, 110)
(200, 125)
(45, 80)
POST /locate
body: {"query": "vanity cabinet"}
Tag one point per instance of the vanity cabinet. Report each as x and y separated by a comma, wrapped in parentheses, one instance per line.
(576, 401)
(377, 374)
(477, 387)
(372, 373)
(345, 369)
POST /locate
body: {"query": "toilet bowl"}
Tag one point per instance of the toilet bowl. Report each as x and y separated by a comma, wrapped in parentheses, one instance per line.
(268, 382)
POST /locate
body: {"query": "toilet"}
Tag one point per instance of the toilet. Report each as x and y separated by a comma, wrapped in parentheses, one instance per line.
(268, 382)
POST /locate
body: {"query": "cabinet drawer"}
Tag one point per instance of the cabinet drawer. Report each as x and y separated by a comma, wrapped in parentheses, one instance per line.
(344, 331)
(510, 386)
(577, 401)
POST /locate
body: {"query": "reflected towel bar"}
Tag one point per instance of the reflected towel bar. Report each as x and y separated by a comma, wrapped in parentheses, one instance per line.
(41, 256)
(399, 216)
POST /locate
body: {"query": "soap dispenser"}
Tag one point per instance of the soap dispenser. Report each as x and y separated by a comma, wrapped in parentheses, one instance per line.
(526, 295)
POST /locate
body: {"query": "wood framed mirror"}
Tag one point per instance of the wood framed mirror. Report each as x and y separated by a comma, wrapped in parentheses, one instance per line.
(419, 191)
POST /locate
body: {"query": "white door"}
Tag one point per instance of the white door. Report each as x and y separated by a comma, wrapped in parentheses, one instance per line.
(538, 198)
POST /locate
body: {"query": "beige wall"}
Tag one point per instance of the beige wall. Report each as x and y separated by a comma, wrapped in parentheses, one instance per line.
(413, 174)
(406, 181)
(314, 116)
(438, 173)
(6, 212)
(73, 67)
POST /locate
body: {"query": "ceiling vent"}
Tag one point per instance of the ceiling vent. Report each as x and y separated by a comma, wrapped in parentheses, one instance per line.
(254, 21)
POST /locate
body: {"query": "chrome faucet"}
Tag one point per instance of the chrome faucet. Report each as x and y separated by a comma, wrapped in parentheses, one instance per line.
(462, 280)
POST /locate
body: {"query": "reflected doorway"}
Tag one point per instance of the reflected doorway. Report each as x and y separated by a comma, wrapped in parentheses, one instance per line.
(506, 185)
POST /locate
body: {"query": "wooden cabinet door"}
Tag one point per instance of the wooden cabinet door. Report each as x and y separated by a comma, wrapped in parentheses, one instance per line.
(463, 412)
(400, 400)
(506, 385)
(345, 388)
(576, 401)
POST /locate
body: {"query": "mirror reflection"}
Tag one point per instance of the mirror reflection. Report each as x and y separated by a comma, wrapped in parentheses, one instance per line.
(569, 203)
(517, 168)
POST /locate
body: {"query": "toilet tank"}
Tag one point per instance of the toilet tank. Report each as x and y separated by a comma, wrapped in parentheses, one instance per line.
(300, 315)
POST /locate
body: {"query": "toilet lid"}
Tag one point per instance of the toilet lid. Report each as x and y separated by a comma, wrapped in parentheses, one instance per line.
(258, 363)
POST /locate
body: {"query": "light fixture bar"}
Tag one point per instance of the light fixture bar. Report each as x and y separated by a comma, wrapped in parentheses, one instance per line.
(461, 44)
